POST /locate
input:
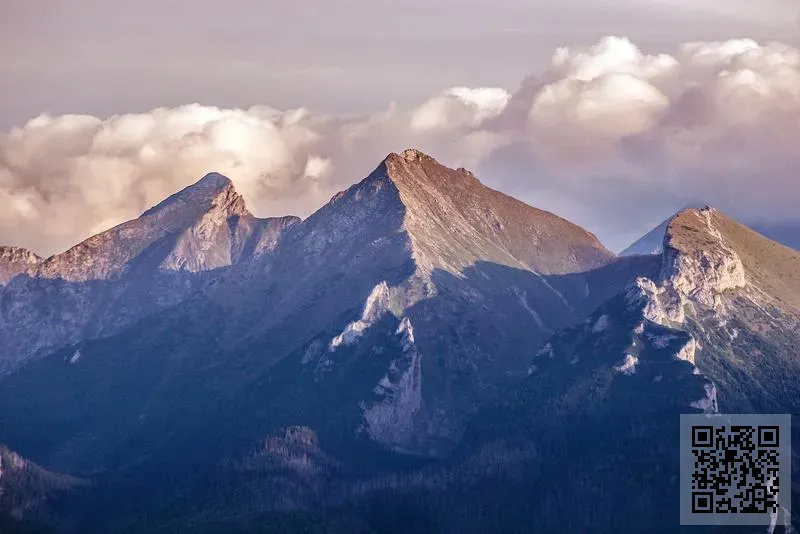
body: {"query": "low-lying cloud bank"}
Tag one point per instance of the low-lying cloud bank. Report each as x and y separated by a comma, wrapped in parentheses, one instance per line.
(607, 136)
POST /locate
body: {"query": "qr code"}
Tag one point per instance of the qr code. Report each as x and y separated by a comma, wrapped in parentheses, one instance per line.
(735, 466)
(736, 469)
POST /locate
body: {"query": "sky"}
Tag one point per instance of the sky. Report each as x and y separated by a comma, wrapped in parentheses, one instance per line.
(610, 113)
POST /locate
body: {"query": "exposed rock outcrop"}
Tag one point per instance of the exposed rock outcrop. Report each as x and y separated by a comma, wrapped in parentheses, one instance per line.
(14, 261)
(390, 419)
(698, 267)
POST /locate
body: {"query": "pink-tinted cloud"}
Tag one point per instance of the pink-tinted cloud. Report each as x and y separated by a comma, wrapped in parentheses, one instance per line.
(606, 135)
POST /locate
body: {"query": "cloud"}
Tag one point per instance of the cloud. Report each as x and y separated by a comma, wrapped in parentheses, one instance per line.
(460, 107)
(607, 135)
(622, 138)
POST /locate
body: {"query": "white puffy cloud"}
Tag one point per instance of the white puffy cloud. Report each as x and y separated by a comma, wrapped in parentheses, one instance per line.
(73, 175)
(607, 135)
(459, 107)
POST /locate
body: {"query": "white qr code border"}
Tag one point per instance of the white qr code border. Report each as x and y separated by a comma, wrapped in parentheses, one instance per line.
(757, 445)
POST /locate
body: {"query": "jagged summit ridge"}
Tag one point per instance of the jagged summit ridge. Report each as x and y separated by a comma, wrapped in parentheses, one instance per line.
(416, 161)
(191, 226)
(411, 245)
(410, 155)
(391, 315)
(212, 189)
(214, 180)
(652, 242)
(15, 260)
(712, 274)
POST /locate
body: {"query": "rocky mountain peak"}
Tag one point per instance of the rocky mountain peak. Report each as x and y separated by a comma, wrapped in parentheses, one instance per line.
(189, 222)
(770, 270)
(414, 161)
(699, 259)
(374, 331)
(708, 259)
(454, 220)
(699, 265)
(212, 191)
(409, 155)
(653, 241)
(15, 260)
(213, 180)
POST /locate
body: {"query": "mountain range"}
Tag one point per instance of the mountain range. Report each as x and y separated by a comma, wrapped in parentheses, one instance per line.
(423, 353)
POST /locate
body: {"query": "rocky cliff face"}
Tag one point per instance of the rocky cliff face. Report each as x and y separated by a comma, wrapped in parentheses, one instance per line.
(699, 263)
(15, 260)
(698, 267)
(117, 277)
